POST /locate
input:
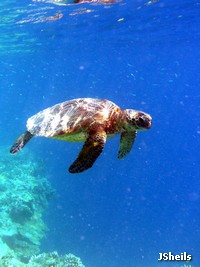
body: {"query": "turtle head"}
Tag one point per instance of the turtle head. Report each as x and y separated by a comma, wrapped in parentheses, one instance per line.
(137, 120)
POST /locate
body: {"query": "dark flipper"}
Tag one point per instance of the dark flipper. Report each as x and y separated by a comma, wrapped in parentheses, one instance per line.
(89, 153)
(126, 142)
(21, 142)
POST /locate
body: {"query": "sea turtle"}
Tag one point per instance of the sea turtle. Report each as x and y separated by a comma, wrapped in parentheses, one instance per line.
(86, 120)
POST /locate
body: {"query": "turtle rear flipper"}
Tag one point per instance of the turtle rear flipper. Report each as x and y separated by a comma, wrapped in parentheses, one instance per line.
(21, 142)
(91, 150)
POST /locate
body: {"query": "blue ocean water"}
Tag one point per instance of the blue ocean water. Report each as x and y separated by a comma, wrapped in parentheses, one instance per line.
(138, 54)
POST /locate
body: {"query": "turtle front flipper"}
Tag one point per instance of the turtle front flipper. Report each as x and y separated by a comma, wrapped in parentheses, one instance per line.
(21, 142)
(126, 142)
(91, 150)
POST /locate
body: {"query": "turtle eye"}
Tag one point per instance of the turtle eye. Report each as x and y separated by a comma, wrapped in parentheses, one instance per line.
(143, 121)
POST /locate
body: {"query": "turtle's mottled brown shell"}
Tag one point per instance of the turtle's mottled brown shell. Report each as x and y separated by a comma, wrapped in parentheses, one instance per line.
(71, 120)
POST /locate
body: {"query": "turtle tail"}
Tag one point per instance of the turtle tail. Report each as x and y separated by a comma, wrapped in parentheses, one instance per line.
(21, 142)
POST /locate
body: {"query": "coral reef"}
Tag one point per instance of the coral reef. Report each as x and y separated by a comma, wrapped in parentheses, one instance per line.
(43, 260)
(54, 260)
(24, 195)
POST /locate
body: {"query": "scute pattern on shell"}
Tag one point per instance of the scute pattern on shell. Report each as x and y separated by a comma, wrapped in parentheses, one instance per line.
(70, 116)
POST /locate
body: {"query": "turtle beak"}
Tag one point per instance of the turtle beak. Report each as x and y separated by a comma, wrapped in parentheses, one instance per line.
(148, 121)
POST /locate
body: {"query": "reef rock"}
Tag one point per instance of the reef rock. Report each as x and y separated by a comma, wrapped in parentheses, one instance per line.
(24, 195)
(43, 260)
